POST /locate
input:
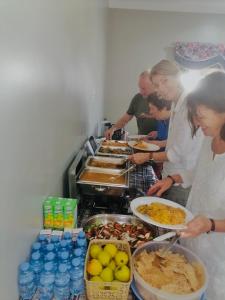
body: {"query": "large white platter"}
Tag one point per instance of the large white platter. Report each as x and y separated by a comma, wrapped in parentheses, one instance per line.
(149, 146)
(148, 200)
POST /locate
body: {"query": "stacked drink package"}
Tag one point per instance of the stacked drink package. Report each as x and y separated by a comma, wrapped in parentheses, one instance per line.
(59, 213)
(54, 268)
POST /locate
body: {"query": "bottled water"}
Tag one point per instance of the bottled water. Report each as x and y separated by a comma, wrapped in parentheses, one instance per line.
(55, 241)
(63, 246)
(62, 283)
(49, 248)
(77, 253)
(82, 244)
(51, 257)
(36, 264)
(46, 284)
(26, 282)
(76, 277)
(64, 258)
(35, 247)
(68, 237)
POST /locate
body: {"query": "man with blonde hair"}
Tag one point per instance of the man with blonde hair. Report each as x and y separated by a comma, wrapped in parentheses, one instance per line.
(138, 108)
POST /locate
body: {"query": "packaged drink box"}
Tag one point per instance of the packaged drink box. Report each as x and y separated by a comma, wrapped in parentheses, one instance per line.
(59, 213)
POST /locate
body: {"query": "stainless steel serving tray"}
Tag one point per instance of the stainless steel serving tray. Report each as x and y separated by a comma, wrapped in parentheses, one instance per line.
(120, 162)
(114, 143)
(104, 171)
(128, 150)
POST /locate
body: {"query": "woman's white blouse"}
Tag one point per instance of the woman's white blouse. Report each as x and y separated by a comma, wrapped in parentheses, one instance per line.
(182, 149)
(207, 197)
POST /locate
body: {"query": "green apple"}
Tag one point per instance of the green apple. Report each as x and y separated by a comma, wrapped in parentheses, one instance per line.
(94, 250)
(96, 278)
(121, 258)
(122, 273)
(104, 258)
(107, 274)
(111, 249)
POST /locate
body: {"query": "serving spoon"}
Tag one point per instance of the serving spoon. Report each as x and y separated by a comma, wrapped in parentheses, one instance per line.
(115, 177)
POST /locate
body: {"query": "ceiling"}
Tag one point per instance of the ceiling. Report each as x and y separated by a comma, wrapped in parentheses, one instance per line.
(194, 6)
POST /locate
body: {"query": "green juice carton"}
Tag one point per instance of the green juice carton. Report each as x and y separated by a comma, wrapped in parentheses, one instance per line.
(48, 212)
(70, 213)
(58, 213)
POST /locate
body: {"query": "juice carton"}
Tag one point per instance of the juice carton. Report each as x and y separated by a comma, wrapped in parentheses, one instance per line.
(58, 213)
(48, 212)
(70, 213)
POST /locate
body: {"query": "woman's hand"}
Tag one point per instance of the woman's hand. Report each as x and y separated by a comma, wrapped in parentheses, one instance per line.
(197, 226)
(139, 158)
(160, 187)
(153, 134)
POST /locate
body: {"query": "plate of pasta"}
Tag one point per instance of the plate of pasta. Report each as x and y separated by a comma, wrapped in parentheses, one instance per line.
(161, 212)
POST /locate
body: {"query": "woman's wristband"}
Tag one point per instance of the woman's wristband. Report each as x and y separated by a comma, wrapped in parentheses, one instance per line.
(172, 179)
(213, 226)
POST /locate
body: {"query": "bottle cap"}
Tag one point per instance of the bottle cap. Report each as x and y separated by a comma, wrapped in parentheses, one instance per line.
(54, 238)
(50, 256)
(36, 255)
(64, 255)
(81, 235)
(63, 243)
(77, 252)
(62, 268)
(76, 262)
(50, 247)
(24, 266)
(48, 266)
(67, 235)
(36, 246)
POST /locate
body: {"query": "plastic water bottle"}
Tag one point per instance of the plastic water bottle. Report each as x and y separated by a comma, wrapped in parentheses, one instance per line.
(68, 237)
(50, 248)
(36, 246)
(26, 281)
(42, 239)
(55, 240)
(64, 258)
(76, 278)
(51, 257)
(46, 285)
(77, 253)
(82, 244)
(36, 264)
(62, 283)
(81, 236)
(63, 246)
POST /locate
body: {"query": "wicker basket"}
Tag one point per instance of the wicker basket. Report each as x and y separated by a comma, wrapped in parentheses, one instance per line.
(108, 290)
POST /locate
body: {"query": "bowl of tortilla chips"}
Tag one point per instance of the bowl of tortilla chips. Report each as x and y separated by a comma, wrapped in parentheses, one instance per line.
(177, 275)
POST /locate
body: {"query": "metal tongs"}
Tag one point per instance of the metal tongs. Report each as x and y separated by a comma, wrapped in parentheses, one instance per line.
(163, 252)
(114, 177)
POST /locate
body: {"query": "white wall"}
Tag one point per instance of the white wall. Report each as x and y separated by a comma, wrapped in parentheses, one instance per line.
(139, 39)
(52, 62)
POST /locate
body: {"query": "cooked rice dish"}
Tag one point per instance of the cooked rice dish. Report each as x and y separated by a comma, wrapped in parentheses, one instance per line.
(162, 213)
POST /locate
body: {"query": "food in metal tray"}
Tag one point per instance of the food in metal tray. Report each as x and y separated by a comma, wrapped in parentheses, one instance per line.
(102, 177)
(114, 143)
(162, 213)
(104, 164)
(136, 235)
(173, 273)
(115, 150)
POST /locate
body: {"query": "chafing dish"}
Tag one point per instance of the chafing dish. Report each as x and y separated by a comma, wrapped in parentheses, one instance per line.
(96, 162)
(114, 143)
(114, 151)
(104, 219)
(107, 177)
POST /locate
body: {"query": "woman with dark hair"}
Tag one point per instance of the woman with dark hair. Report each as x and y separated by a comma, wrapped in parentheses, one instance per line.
(206, 107)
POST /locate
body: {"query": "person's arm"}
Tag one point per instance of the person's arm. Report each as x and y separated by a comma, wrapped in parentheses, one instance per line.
(202, 224)
(119, 124)
(163, 185)
(140, 158)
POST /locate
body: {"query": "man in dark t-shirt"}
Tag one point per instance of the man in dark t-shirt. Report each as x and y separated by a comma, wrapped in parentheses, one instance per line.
(138, 108)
